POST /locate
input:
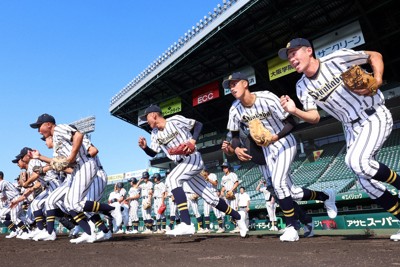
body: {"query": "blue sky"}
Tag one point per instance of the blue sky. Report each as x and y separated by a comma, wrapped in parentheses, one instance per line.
(68, 58)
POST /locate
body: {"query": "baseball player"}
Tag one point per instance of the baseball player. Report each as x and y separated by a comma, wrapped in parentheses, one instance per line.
(173, 209)
(170, 133)
(159, 194)
(193, 204)
(244, 203)
(9, 192)
(212, 183)
(133, 200)
(279, 154)
(366, 120)
(269, 203)
(229, 183)
(67, 142)
(146, 191)
(117, 197)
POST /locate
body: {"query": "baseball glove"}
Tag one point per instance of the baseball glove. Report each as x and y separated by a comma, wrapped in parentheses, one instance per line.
(259, 133)
(59, 163)
(356, 78)
(230, 195)
(183, 149)
(162, 208)
(38, 170)
(146, 205)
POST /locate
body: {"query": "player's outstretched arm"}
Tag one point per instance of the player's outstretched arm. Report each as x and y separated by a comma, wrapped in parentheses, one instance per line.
(310, 116)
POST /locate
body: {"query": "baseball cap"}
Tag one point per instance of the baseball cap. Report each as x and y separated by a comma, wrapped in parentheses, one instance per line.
(133, 180)
(150, 109)
(225, 164)
(236, 76)
(297, 42)
(42, 119)
(23, 152)
(17, 158)
(145, 175)
(120, 185)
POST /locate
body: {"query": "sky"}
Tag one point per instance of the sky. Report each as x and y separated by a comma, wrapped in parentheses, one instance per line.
(69, 58)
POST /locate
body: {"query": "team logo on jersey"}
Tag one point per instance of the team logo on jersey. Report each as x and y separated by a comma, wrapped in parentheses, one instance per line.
(326, 90)
(262, 115)
(166, 139)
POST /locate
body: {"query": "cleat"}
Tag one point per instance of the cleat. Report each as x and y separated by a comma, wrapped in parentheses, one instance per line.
(120, 231)
(220, 230)
(201, 231)
(47, 237)
(147, 231)
(274, 228)
(242, 224)
(395, 237)
(167, 228)
(182, 229)
(309, 229)
(235, 231)
(12, 234)
(84, 238)
(290, 235)
(103, 236)
(330, 203)
(24, 236)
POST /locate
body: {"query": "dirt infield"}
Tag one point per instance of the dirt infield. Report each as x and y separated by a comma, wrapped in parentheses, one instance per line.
(206, 250)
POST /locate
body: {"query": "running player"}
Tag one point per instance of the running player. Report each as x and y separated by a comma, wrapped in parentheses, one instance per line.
(68, 143)
(366, 120)
(169, 133)
(266, 107)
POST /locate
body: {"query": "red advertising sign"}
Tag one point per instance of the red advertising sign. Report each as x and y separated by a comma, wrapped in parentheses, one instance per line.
(205, 93)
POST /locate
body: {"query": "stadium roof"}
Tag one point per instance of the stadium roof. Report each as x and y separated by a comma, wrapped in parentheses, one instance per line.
(248, 33)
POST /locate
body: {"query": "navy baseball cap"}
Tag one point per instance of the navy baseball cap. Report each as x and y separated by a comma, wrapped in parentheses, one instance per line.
(225, 164)
(17, 158)
(145, 175)
(133, 180)
(23, 152)
(42, 119)
(236, 76)
(150, 109)
(294, 43)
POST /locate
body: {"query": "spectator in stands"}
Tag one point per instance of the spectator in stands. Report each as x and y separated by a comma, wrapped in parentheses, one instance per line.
(244, 203)
(367, 122)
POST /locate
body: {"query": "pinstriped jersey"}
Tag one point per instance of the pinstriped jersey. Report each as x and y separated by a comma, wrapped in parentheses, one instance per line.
(62, 143)
(8, 190)
(145, 188)
(267, 108)
(134, 191)
(229, 180)
(326, 88)
(50, 176)
(159, 189)
(177, 131)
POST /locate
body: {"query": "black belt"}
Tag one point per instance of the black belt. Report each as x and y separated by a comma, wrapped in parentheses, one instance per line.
(368, 111)
(243, 207)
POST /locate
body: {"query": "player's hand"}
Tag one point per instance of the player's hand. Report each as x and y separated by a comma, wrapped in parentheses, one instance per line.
(288, 104)
(35, 154)
(242, 155)
(227, 148)
(142, 142)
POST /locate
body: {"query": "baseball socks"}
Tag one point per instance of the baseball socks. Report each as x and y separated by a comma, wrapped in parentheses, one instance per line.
(385, 174)
(98, 222)
(314, 195)
(39, 219)
(181, 203)
(222, 206)
(171, 222)
(287, 207)
(81, 220)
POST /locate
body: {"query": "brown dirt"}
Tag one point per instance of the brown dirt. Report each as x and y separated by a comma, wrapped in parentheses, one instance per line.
(204, 250)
